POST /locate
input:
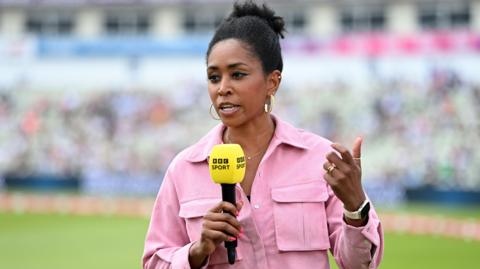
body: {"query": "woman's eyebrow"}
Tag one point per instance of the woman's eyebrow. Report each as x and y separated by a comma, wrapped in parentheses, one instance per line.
(230, 66)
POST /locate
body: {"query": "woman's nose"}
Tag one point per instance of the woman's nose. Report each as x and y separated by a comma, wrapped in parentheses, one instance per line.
(224, 87)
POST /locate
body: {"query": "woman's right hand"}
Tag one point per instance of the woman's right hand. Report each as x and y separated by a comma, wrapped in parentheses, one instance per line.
(217, 227)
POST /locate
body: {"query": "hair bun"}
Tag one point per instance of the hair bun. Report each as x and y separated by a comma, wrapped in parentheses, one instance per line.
(249, 8)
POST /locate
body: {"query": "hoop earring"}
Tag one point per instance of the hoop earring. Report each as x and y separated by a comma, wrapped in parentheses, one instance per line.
(211, 113)
(269, 106)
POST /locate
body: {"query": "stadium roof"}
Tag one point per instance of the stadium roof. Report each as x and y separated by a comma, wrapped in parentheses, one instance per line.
(30, 3)
(26, 3)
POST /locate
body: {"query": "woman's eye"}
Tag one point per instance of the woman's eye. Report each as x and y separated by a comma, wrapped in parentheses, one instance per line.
(214, 78)
(238, 75)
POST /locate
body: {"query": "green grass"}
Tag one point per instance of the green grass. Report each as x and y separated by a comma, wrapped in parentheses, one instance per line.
(460, 212)
(420, 252)
(57, 241)
(407, 251)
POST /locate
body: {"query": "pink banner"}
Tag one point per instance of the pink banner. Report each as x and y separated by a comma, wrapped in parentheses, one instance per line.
(381, 44)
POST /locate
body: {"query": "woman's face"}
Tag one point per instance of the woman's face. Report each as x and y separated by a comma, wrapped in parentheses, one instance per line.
(237, 85)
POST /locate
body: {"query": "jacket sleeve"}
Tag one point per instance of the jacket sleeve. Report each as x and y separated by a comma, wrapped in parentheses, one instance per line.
(167, 244)
(354, 247)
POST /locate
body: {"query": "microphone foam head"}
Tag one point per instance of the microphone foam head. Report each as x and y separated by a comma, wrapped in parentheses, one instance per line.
(227, 164)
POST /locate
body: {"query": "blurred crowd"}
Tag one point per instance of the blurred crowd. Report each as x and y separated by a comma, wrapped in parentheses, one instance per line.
(416, 134)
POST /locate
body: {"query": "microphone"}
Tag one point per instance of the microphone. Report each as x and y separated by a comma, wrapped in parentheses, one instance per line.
(227, 167)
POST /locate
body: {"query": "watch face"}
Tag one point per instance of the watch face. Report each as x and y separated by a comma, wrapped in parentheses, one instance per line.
(365, 210)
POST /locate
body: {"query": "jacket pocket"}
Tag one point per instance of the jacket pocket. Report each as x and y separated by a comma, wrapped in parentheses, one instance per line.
(300, 218)
(193, 213)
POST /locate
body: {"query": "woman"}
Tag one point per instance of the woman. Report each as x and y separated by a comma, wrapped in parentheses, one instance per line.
(290, 210)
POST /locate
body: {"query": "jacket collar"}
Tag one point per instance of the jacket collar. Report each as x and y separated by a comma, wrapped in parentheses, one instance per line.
(284, 134)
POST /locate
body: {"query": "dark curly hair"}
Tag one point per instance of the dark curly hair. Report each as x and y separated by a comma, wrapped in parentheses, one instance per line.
(258, 28)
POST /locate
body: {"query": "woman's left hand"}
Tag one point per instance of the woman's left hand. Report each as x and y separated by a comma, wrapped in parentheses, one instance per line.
(344, 174)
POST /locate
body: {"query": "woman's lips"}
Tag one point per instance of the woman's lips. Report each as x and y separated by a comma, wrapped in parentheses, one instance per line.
(228, 110)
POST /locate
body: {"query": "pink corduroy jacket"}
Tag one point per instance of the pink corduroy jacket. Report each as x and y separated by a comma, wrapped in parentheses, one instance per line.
(292, 220)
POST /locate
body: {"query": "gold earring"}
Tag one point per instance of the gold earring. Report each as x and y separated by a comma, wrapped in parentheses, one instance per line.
(269, 106)
(212, 115)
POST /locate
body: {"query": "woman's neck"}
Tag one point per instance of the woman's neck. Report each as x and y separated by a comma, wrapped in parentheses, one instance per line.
(253, 137)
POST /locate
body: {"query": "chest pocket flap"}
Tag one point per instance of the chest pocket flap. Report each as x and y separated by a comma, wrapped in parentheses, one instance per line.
(314, 191)
(197, 208)
(300, 218)
(193, 212)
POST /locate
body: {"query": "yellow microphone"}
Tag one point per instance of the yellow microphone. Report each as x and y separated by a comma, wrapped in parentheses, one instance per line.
(227, 167)
(227, 164)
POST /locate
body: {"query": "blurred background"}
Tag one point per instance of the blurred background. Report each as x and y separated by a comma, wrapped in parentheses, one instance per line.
(97, 97)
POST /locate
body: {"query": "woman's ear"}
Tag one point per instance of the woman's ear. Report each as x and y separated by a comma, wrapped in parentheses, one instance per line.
(273, 81)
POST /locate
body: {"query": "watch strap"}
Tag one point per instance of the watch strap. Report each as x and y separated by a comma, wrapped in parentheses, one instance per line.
(356, 215)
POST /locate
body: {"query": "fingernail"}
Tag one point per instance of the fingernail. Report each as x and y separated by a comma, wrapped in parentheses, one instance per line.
(237, 214)
(231, 238)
